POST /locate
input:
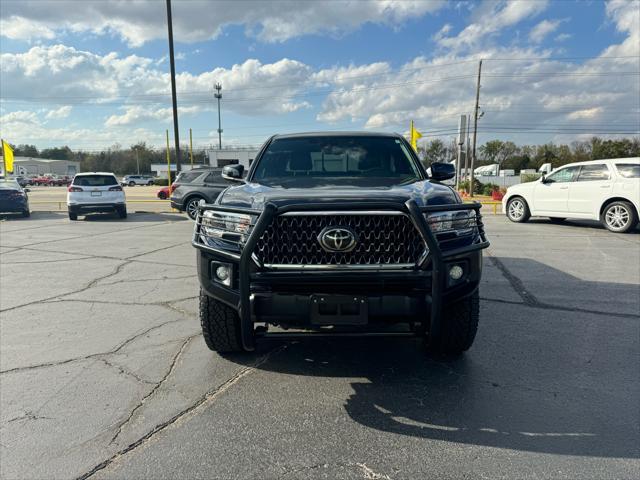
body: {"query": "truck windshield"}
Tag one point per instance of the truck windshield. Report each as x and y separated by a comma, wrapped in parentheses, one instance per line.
(336, 161)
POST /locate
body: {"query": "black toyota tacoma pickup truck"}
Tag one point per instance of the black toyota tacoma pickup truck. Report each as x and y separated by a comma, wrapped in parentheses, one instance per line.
(339, 234)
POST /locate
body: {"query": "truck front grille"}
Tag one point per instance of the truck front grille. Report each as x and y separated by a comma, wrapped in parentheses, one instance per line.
(382, 239)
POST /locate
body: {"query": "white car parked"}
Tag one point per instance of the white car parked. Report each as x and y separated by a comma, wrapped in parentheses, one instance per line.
(95, 192)
(605, 190)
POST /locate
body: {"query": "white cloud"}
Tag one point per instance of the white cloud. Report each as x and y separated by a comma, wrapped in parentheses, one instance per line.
(585, 113)
(543, 29)
(490, 20)
(137, 114)
(59, 113)
(562, 37)
(144, 20)
(19, 28)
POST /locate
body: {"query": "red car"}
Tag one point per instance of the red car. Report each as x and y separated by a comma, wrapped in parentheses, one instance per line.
(165, 192)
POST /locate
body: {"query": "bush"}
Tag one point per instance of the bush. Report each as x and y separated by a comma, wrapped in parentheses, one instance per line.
(489, 188)
(529, 177)
(477, 186)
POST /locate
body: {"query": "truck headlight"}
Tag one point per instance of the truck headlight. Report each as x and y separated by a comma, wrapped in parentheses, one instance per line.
(231, 227)
(460, 221)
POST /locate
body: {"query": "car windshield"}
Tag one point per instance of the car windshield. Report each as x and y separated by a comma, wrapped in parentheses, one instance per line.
(628, 170)
(326, 161)
(9, 185)
(95, 180)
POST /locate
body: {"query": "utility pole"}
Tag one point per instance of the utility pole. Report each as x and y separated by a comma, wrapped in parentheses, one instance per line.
(173, 86)
(475, 129)
(466, 151)
(137, 161)
(462, 133)
(218, 95)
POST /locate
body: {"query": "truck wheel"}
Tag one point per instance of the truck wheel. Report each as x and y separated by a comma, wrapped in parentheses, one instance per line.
(518, 210)
(619, 217)
(73, 216)
(220, 325)
(459, 326)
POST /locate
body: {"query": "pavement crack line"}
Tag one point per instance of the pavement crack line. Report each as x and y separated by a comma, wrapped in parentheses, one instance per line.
(204, 401)
(124, 371)
(172, 367)
(89, 285)
(527, 297)
(93, 355)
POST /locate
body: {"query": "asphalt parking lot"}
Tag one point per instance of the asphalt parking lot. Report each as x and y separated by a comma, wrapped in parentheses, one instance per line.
(104, 374)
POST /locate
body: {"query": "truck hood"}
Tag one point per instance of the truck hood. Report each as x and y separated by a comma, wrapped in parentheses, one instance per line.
(255, 196)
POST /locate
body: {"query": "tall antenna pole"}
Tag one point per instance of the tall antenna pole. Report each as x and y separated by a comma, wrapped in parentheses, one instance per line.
(218, 95)
(173, 86)
(191, 147)
(475, 129)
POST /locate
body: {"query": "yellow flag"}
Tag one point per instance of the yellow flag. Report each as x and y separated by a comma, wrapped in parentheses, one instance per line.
(7, 154)
(415, 135)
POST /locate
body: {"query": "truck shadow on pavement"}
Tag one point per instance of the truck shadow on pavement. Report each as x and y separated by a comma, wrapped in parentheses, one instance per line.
(538, 379)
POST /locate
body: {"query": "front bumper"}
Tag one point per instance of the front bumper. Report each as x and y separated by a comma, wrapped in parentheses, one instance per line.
(400, 294)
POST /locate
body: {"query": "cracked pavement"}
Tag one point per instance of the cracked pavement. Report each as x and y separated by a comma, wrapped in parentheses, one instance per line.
(104, 374)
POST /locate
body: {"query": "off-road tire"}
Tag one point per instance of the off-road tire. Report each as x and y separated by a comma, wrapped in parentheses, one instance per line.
(631, 217)
(557, 219)
(73, 216)
(122, 212)
(523, 214)
(459, 327)
(220, 325)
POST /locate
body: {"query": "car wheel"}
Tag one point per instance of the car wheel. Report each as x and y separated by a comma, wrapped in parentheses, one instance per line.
(162, 196)
(220, 325)
(26, 214)
(518, 210)
(73, 216)
(150, 183)
(122, 212)
(619, 217)
(459, 326)
(192, 207)
(557, 219)
(132, 184)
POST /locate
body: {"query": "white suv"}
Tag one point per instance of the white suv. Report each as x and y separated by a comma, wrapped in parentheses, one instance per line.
(606, 190)
(95, 192)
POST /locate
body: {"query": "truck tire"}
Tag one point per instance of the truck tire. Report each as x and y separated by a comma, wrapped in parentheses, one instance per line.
(220, 325)
(619, 217)
(459, 326)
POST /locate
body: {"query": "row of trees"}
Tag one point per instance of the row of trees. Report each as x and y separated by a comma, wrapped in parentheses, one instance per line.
(139, 157)
(518, 157)
(116, 159)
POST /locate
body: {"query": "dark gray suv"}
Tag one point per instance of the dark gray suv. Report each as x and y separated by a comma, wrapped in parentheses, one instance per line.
(201, 183)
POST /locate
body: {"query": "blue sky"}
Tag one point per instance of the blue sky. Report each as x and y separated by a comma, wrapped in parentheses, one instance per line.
(91, 74)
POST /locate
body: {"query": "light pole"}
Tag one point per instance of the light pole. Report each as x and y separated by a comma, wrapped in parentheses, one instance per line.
(173, 86)
(218, 95)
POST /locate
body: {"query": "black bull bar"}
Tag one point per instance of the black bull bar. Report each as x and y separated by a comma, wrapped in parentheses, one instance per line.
(434, 259)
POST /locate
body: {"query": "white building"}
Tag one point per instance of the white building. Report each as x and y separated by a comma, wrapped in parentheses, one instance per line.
(39, 166)
(230, 156)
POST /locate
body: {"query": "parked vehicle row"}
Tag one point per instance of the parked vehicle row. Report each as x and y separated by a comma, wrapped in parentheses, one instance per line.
(604, 190)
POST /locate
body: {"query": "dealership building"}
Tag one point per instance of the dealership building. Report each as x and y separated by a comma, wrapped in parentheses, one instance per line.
(40, 166)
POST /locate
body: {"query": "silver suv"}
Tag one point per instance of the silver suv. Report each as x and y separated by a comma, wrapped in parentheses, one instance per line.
(133, 180)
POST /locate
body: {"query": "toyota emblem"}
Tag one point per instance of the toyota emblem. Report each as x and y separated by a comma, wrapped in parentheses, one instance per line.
(337, 239)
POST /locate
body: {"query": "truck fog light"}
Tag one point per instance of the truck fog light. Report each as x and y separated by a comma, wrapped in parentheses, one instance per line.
(456, 272)
(222, 273)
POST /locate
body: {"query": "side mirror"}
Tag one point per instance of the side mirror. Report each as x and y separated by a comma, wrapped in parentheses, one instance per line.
(543, 179)
(27, 190)
(441, 171)
(233, 173)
